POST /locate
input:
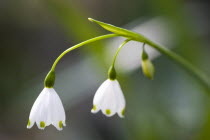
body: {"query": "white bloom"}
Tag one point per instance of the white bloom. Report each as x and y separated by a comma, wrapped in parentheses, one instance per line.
(109, 99)
(47, 109)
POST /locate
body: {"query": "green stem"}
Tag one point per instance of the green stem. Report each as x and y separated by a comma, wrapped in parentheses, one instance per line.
(202, 77)
(144, 55)
(196, 72)
(118, 50)
(79, 45)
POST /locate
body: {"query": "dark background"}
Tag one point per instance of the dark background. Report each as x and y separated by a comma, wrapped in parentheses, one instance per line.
(174, 106)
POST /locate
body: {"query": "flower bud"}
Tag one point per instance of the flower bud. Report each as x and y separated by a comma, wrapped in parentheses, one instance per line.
(147, 66)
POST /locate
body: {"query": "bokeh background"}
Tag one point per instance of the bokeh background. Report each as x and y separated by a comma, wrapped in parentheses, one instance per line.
(173, 106)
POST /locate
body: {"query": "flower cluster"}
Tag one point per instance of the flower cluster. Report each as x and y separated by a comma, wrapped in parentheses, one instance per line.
(48, 108)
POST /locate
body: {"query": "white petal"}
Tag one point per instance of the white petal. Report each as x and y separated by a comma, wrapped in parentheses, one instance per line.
(43, 112)
(35, 108)
(109, 102)
(120, 99)
(58, 114)
(99, 95)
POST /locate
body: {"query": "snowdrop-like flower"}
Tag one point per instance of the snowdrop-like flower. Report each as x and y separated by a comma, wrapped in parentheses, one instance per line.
(48, 108)
(109, 99)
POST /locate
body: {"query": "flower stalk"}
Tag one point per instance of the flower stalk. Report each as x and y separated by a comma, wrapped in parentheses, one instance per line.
(48, 108)
(118, 50)
(196, 72)
(112, 75)
(130, 35)
(79, 45)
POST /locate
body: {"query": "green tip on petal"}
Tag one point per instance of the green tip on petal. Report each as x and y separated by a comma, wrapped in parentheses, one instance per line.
(60, 124)
(29, 123)
(94, 108)
(42, 124)
(108, 111)
(123, 112)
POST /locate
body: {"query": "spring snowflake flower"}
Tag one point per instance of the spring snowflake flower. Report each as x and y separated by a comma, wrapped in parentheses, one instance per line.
(109, 99)
(47, 109)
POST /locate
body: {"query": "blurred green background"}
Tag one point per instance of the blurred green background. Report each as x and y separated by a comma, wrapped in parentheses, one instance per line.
(174, 106)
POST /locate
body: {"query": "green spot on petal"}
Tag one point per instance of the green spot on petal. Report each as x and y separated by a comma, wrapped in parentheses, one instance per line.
(42, 124)
(29, 123)
(108, 111)
(123, 112)
(94, 108)
(60, 124)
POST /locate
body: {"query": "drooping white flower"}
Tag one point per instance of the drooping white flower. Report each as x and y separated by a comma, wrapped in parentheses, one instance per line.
(47, 109)
(109, 99)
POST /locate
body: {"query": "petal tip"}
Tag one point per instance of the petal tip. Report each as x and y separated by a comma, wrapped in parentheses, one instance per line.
(122, 113)
(94, 109)
(41, 125)
(28, 127)
(108, 113)
(29, 124)
(59, 125)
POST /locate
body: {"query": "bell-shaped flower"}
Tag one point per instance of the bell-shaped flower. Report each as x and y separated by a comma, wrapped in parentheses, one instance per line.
(47, 109)
(109, 99)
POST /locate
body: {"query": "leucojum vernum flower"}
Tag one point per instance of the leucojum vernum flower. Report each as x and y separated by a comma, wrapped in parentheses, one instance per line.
(48, 108)
(109, 97)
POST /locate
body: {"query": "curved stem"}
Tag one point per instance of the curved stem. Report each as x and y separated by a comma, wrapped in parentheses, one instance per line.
(202, 77)
(196, 72)
(79, 45)
(118, 50)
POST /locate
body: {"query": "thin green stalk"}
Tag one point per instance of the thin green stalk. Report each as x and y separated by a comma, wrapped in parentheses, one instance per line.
(196, 72)
(79, 45)
(118, 50)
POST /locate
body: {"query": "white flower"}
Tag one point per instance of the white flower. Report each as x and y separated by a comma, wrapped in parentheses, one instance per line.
(109, 99)
(47, 109)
